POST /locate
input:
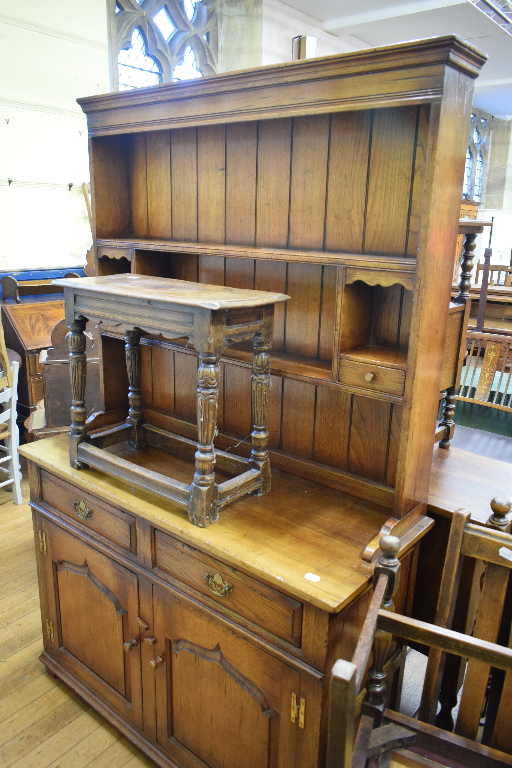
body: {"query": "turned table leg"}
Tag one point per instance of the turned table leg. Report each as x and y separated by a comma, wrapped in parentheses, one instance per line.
(135, 414)
(78, 374)
(450, 399)
(260, 388)
(202, 508)
(466, 268)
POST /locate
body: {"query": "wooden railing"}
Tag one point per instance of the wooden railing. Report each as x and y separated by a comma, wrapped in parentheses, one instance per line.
(499, 274)
(486, 377)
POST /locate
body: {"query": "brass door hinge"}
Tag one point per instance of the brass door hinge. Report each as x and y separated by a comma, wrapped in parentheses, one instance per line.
(49, 630)
(298, 709)
(42, 542)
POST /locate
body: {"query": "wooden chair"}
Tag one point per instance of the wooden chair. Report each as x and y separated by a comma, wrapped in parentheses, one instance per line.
(499, 274)
(388, 738)
(9, 436)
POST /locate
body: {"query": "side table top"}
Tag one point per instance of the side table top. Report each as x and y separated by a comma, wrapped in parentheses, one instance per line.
(167, 290)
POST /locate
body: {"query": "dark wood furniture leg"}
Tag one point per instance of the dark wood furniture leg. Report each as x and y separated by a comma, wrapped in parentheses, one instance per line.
(135, 414)
(78, 373)
(260, 388)
(466, 267)
(204, 492)
(450, 399)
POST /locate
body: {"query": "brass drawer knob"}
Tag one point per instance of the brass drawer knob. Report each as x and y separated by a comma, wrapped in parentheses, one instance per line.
(127, 647)
(81, 509)
(155, 663)
(217, 584)
(369, 376)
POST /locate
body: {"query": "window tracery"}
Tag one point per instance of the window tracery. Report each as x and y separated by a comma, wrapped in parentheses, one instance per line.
(477, 153)
(157, 41)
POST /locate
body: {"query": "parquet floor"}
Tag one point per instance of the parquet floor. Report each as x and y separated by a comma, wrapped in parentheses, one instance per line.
(43, 724)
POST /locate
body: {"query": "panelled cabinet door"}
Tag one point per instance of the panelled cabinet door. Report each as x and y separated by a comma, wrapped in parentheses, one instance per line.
(221, 701)
(91, 628)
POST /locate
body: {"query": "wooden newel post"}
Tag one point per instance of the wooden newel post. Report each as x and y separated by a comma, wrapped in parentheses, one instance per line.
(260, 389)
(135, 414)
(388, 563)
(482, 301)
(450, 399)
(466, 268)
(78, 374)
(203, 508)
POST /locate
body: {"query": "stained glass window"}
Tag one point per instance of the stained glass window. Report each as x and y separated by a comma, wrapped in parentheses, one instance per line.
(136, 68)
(467, 174)
(479, 172)
(187, 70)
(476, 156)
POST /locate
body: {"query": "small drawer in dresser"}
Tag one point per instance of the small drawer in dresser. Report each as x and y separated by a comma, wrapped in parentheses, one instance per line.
(377, 378)
(111, 523)
(35, 368)
(36, 389)
(277, 613)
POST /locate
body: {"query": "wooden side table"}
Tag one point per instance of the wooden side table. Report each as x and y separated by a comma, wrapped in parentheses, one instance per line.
(211, 317)
(27, 330)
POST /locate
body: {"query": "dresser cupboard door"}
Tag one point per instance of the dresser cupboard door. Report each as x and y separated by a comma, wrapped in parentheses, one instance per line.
(90, 628)
(221, 701)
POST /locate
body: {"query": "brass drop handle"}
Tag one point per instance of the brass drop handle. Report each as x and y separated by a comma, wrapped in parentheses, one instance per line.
(127, 647)
(369, 376)
(155, 663)
(217, 584)
(81, 509)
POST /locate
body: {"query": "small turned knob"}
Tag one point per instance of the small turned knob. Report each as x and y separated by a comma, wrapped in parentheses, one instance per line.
(500, 508)
(154, 663)
(389, 546)
(127, 647)
(369, 376)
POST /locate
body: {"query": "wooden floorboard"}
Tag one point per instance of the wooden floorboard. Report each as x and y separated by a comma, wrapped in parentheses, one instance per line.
(43, 724)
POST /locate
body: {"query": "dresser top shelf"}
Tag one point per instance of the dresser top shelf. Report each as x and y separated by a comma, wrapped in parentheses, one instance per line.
(168, 291)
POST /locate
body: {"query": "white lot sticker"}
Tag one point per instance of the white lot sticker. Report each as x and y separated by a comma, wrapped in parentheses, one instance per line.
(314, 577)
(506, 553)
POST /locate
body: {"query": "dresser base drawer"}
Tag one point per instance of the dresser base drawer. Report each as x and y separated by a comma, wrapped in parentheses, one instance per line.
(111, 523)
(277, 613)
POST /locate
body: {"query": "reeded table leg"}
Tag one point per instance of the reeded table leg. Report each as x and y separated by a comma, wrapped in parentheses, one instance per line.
(202, 508)
(78, 373)
(135, 414)
(260, 386)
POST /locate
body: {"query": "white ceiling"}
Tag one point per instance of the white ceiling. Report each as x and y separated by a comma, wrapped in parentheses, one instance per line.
(379, 22)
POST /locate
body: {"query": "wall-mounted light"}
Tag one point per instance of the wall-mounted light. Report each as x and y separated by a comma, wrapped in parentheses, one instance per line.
(303, 47)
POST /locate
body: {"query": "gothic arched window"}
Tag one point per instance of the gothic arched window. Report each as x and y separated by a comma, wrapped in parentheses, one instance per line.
(477, 153)
(157, 41)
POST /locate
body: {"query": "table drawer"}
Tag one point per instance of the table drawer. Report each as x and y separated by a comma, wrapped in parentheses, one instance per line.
(277, 613)
(111, 523)
(388, 380)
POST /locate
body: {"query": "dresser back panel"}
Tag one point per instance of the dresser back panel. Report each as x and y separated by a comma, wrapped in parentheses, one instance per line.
(349, 182)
